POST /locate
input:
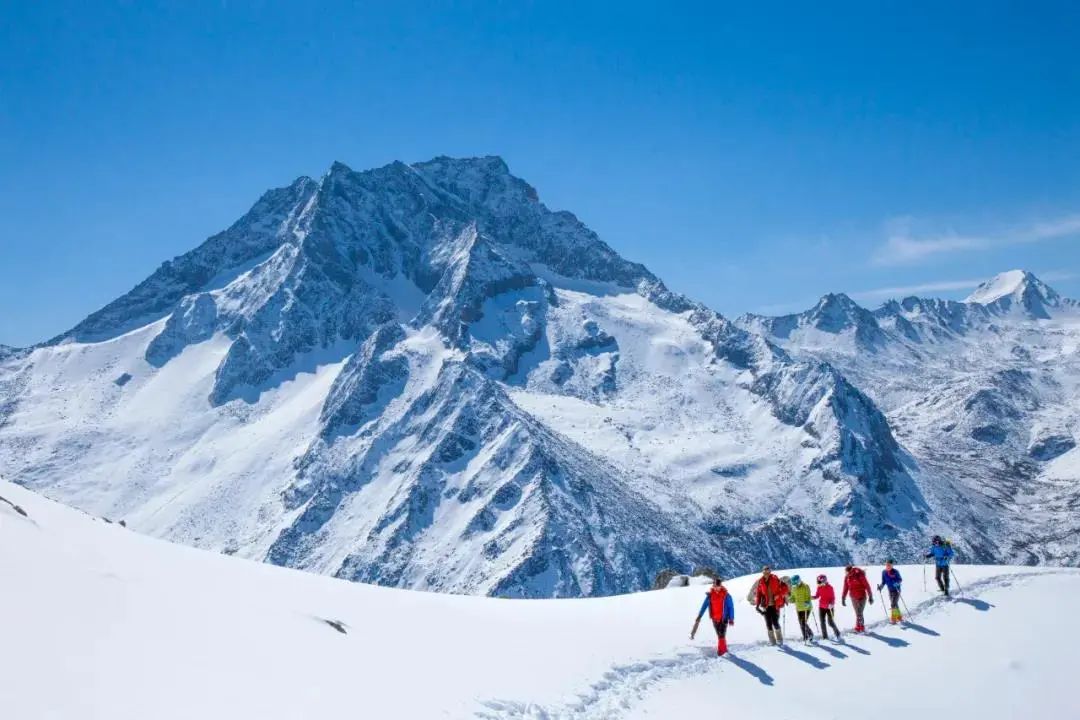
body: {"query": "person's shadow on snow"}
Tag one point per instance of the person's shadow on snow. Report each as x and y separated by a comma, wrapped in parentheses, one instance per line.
(921, 629)
(805, 657)
(977, 604)
(832, 651)
(854, 648)
(891, 642)
(756, 670)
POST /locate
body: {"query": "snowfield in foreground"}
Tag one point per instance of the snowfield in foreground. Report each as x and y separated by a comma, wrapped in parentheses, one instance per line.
(100, 622)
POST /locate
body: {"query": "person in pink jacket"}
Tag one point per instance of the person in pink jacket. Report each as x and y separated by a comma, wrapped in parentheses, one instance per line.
(826, 597)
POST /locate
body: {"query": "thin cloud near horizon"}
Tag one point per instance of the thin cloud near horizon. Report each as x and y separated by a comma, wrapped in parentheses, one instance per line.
(902, 247)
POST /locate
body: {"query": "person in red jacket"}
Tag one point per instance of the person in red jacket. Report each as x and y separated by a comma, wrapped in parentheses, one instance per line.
(826, 597)
(858, 587)
(769, 598)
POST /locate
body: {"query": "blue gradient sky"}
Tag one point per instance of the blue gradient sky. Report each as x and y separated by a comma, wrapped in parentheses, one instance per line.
(754, 159)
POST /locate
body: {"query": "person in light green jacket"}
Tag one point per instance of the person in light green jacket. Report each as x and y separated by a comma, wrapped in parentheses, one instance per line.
(800, 595)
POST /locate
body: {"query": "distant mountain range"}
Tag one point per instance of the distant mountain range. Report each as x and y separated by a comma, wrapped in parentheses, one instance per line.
(421, 376)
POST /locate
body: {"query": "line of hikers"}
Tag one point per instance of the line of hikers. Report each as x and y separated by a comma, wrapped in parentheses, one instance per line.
(770, 594)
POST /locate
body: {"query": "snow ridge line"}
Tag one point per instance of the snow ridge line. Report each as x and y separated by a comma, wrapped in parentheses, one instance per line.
(622, 685)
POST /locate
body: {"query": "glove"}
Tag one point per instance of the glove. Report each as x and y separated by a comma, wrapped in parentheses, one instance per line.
(844, 602)
(731, 622)
(879, 587)
(759, 610)
(871, 599)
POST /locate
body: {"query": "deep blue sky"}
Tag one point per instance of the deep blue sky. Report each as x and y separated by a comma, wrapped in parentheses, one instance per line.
(752, 159)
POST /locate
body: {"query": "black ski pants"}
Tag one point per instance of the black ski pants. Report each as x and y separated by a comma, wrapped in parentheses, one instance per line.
(772, 618)
(804, 618)
(721, 628)
(894, 598)
(942, 577)
(826, 615)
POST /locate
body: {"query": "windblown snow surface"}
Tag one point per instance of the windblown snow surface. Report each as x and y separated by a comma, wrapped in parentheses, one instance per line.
(103, 623)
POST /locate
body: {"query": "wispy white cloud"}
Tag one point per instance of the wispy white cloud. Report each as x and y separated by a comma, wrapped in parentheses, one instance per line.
(1051, 229)
(906, 290)
(1057, 276)
(903, 247)
(902, 291)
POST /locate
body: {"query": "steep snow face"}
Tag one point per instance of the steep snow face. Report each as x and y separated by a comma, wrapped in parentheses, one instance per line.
(421, 376)
(984, 396)
(130, 628)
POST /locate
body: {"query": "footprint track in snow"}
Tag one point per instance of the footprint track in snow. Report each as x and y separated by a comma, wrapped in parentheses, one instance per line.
(623, 685)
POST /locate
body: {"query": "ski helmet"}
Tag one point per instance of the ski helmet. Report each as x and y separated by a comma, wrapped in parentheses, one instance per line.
(821, 579)
(890, 561)
(848, 567)
(937, 540)
(795, 579)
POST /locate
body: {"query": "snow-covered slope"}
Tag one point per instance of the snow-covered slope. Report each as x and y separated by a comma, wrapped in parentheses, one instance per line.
(983, 393)
(421, 376)
(103, 623)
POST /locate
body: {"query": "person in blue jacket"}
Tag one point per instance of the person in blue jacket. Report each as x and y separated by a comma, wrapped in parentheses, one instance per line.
(721, 611)
(890, 578)
(942, 553)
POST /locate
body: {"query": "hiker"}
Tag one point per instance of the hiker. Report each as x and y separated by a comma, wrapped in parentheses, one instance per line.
(942, 552)
(858, 587)
(826, 597)
(890, 578)
(721, 612)
(800, 595)
(769, 598)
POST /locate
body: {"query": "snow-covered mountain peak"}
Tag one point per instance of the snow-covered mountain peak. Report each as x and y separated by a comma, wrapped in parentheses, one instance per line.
(420, 375)
(1009, 282)
(835, 314)
(1017, 289)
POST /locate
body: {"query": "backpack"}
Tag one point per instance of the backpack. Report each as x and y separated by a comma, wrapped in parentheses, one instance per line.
(717, 597)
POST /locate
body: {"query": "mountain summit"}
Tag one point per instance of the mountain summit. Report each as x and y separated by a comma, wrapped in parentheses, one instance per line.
(1017, 289)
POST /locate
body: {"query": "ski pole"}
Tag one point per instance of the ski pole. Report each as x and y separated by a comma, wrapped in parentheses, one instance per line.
(882, 599)
(907, 611)
(924, 576)
(952, 576)
(814, 618)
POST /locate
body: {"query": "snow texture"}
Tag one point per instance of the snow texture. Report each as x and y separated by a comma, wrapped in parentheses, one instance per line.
(102, 622)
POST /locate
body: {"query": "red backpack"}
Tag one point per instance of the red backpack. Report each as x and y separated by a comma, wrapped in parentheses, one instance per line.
(717, 596)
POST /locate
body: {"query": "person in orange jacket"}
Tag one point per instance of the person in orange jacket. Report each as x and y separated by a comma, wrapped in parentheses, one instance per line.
(769, 598)
(721, 611)
(856, 585)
